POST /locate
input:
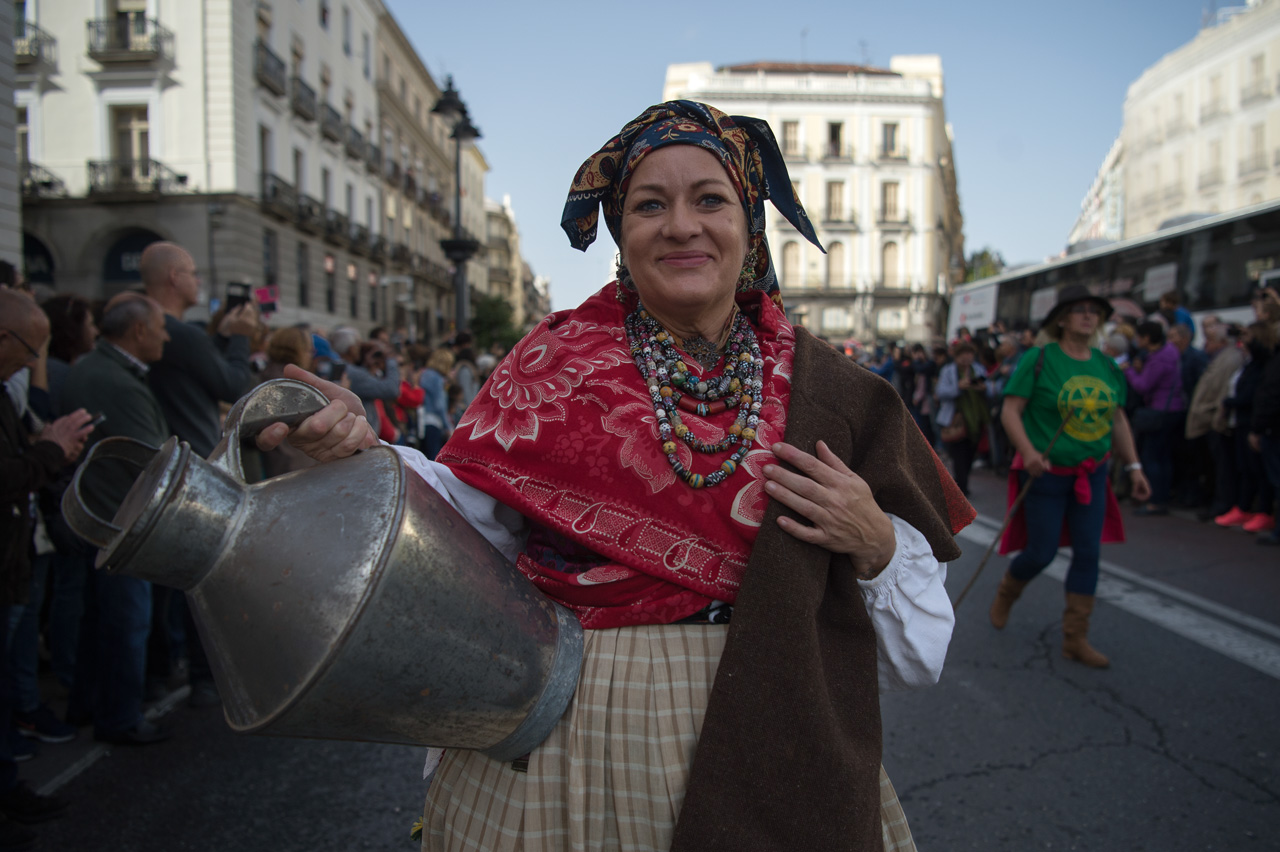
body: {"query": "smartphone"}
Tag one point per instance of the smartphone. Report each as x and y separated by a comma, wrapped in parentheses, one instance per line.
(98, 420)
(238, 293)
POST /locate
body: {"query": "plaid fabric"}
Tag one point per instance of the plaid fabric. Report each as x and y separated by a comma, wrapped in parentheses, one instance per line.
(612, 775)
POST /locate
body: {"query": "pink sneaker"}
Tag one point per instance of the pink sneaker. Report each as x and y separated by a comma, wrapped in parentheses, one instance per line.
(1234, 518)
(1261, 522)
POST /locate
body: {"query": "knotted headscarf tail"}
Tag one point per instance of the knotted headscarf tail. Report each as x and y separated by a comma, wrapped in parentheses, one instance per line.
(746, 148)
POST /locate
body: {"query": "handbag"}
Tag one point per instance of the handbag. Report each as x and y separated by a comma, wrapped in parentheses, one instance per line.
(956, 431)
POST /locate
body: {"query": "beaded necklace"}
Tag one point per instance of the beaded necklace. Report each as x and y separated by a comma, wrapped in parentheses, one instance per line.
(673, 388)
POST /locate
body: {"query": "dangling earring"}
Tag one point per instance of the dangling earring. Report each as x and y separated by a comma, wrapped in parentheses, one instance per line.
(747, 276)
(624, 277)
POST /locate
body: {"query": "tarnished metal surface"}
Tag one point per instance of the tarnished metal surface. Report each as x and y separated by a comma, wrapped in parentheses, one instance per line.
(349, 600)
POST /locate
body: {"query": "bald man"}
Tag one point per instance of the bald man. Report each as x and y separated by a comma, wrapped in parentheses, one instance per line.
(27, 463)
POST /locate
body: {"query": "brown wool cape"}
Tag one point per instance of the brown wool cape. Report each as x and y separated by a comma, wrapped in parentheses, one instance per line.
(789, 754)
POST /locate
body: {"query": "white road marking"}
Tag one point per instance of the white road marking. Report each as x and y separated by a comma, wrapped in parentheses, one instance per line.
(1240, 637)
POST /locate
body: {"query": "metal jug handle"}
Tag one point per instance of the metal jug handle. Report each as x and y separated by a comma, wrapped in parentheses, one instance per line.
(83, 520)
(277, 401)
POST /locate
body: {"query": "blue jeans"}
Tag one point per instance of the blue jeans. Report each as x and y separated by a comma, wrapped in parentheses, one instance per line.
(1157, 455)
(24, 640)
(112, 659)
(1049, 502)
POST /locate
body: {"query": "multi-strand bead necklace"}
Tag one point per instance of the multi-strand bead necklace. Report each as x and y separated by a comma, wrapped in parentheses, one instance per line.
(674, 388)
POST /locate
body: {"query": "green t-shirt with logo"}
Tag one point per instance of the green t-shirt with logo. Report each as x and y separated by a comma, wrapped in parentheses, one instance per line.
(1087, 391)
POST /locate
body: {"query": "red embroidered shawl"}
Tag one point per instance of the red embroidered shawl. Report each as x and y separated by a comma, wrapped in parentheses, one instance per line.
(565, 433)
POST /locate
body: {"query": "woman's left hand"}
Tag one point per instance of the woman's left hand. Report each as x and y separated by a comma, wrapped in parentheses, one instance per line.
(843, 514)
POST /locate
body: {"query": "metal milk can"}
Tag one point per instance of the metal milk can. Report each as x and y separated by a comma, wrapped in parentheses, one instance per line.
(347, 601)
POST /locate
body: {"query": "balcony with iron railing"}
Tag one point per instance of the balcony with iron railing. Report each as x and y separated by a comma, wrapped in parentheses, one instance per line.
(31, 45)
(130, 179)
(896, 154)
(310, 214)
(378, 248)
(837, 220)
(795, 153)
(302, 98)
(359, 238)
(425, 267)
(1213, 109)
(1252, 165)
(269, 69)
(372, 157)
(331, 123)
(891, 287)
(437, 209)
(279, 198)
(354, 143)
(1210, 178)
(128, 38)
(392, 172)
(337, 229)
(400, 254)
(410, 184)
(1255, 91)
(837, 152)
(39, 182)
(892, 217)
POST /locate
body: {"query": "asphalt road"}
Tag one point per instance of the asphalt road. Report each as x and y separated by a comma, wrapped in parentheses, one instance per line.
(1175, 747)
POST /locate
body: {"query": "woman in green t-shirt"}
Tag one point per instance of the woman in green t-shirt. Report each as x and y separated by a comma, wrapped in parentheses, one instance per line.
(1064, 413)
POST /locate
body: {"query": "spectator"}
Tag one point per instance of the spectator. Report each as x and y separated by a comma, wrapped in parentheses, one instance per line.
(196, 372)
(1116, 345)
(1254, 494)
(466, 375)
(962, 390)
(1171, 313)
(433, 418)
(366, 384)
(27, 462)
(1191, 473)
(1206, 417)
(111, 661)
(1264, 433)
(1192, 362)
(1154, 374)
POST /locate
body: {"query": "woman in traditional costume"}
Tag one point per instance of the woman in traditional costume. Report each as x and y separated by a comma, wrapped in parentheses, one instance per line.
(750, 527)
(1064, 413)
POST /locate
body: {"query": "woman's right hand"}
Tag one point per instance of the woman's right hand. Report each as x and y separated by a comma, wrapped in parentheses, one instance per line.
(334, 432)
(1035, 464)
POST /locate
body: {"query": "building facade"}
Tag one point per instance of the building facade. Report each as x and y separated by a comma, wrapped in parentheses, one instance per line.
(238, 129)
(506, 276)
(1102, 211)
(870, 155)
(1201, 127)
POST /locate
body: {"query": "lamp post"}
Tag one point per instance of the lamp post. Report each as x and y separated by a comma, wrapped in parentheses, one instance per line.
(461, 247)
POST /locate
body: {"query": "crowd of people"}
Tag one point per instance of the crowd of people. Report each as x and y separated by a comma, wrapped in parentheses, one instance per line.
(76, 373)
(1206, 417)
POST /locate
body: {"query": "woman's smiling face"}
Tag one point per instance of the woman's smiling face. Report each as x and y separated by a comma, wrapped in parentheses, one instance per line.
(684, 234)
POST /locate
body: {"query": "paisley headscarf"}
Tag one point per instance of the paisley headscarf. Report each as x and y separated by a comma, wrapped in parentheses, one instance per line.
(745, 147)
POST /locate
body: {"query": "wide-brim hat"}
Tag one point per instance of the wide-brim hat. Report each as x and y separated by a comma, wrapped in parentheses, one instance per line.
(1073, 294)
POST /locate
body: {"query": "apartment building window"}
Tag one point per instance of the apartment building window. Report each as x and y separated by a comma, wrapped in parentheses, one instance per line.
(791, 264)
(791, 138)
(889, 263)
(264, 149)
(330, 284)
(270, 264)
(304, 275)
(889, 138)
(346, 31)
(835, 139)
(131, 138)
(835, 201)
(368, 214)
(889, 200)
(367, 56)
(835, 265)
(351, 203)
(324, 14)
(353, 283)
(131, 18)
(24, 135)
(325, 197)
(373, 296)
(299, 170)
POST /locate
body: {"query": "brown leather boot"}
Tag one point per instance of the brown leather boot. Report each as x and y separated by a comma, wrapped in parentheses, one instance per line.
(1075, 632)
(1008, 592)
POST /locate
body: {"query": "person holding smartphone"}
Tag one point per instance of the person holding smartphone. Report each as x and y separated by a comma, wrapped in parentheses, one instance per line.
(964, 414)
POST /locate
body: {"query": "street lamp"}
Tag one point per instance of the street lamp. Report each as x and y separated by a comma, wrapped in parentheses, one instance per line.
(462, 247)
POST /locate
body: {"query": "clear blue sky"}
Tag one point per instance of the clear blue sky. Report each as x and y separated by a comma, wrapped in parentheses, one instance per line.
(1034, 92)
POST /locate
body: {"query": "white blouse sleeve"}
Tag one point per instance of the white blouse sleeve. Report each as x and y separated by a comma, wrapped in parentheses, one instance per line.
(911, 613)
(502, 526)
